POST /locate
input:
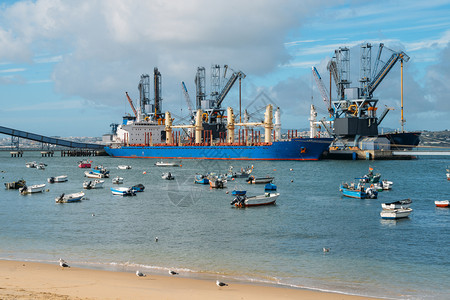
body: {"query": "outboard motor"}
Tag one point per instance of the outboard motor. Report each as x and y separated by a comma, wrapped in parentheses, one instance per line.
(51, 180)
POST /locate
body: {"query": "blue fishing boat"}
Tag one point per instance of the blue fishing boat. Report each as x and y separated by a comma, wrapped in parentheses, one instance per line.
(123, 191)
(352, 191)
(138, 188)
(201, 179)
(270, 187)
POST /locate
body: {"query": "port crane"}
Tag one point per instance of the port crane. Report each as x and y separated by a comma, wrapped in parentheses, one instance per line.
(131, 104)
(323, 90)
(188, 100)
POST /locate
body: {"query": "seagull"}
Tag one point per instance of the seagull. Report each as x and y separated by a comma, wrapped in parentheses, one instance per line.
(172, 272)
(220, 283)
(140, 274)
(63, 263)
(326, 249)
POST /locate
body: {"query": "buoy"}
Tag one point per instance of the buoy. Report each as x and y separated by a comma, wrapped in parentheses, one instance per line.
(291, 169)
(144, 172)
(226, 192)
(274, 169)
(232, 178)
(292, 180)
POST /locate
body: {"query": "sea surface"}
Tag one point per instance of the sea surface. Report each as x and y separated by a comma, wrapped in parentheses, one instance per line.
(202, 236)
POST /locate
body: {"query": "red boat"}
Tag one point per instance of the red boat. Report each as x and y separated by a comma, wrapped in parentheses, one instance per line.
(444, 203)
(84, 164)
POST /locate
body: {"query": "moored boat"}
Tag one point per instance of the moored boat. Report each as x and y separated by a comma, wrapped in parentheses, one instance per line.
(90, 174)
(395, 213)
(15, 184)
(371, 177)
(442, 203)
(123, 191)
(243, 173)
(138, 188)
(41, 166)
(167, 176)
(358, 191)
(167, 164)
(100, 170)
(217, 182)
(61, 178)
(35, 188)
(31, 164)
(270, 187)
(93, 184)
(124, 167)
(405, 203)
(201, 179)
(68, 198)
(244, 201)
(117, 180)
(84, 164)
(259, 180)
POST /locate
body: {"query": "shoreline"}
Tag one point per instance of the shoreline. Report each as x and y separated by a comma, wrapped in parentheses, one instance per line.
(33, 280)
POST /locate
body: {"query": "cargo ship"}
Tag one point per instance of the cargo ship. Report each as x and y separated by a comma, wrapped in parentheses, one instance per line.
(211, 134)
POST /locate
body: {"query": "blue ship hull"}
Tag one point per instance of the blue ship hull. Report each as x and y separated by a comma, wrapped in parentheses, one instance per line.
(295, 149)
(358, 194)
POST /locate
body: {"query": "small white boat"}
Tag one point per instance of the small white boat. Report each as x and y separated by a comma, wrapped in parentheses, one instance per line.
(93, 184)
(448, 174)
(167, 176)
(61, 178)
(117, 180)
(124, 167)
(442, 203)
(36, 188)
(259, 180)
(67, 198)
(123, 191)
(244, 201)
(405, 203)
(31, 164)
(90, 174)
(41, 166)
(386, 184)
(167, 164)
(395, 213)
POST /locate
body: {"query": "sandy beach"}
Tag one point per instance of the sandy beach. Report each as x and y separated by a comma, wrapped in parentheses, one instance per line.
(29, 280)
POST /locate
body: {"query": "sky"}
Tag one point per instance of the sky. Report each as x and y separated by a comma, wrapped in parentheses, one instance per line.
(65, 65)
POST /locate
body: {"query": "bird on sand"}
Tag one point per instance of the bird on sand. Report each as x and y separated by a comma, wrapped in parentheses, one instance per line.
(63, 263)
(140, 274)
(173, 272)
(220, 283)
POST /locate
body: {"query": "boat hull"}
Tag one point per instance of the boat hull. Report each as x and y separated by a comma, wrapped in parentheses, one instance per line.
(444, 203)
(37, 188)
(391, 214)
(357, 194)
(268, 199)
(295, 149)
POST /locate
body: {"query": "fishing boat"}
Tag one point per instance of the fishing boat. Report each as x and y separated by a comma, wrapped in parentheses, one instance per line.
(442, 203)
(244, 201)
(371, 177)
(15, 185)
(101, 170)
(84, 164)
(259, 180)
(217, 182)
(90, 174)
(405, 203)
(123, 191)
(36, 188)
(93, 184)
(124, 167)
(61, 178)
(68, 198)
(395, 213)
(138, 188)
(31, 164)
(358, 191)
(117, 180)
(41, 166)
(384, 185)
(167, 176)
(167, 164)
(270, 187)
(201, 179)
(243, 173)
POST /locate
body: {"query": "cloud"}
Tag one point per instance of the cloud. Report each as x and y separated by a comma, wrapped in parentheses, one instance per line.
(100, 48)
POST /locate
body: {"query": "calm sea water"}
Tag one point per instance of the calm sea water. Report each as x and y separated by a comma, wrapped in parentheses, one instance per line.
(201, 235)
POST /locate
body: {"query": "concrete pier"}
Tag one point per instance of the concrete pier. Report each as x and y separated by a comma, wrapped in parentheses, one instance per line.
(16, 153)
